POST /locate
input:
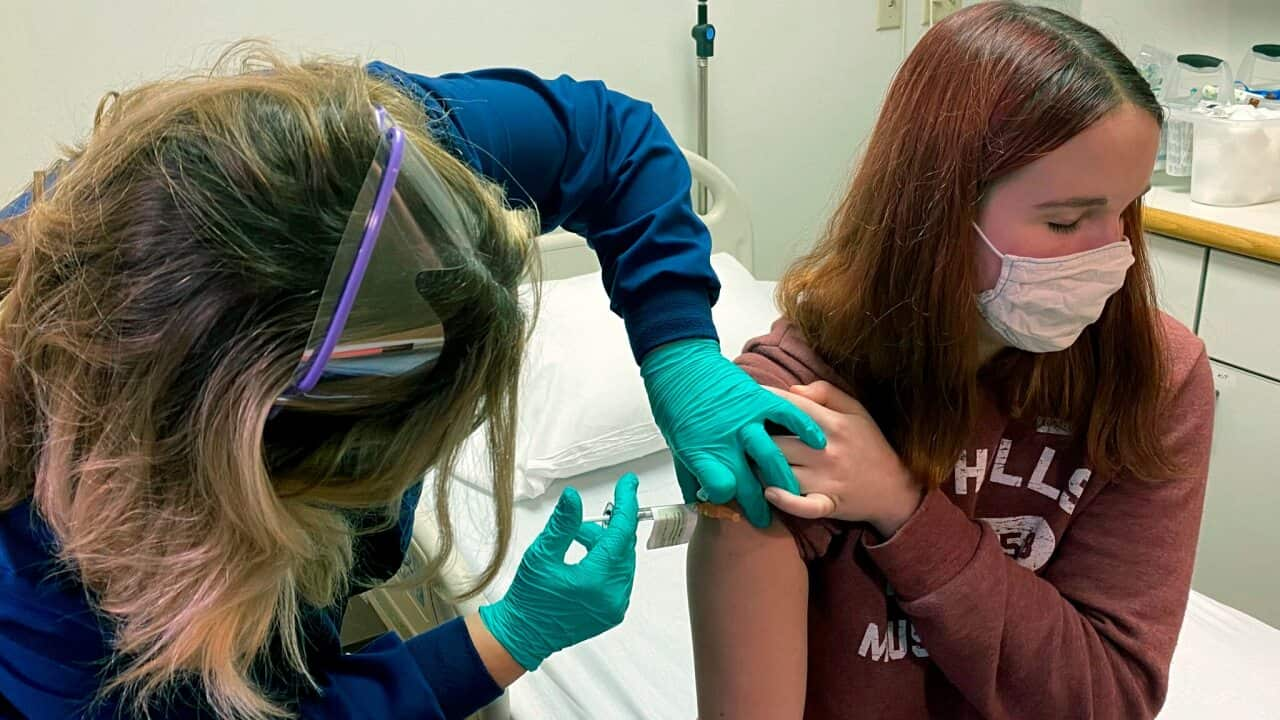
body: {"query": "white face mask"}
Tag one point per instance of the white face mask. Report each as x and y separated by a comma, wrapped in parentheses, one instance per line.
(1043, 304)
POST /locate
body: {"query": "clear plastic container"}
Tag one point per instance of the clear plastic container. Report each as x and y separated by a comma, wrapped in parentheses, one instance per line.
(1236, 159)
(1155, 64)
(1178, 144)
(1193, 79)
(1260, 71)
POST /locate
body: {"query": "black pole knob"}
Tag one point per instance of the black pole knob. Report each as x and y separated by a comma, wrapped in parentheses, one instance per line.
(704, 37)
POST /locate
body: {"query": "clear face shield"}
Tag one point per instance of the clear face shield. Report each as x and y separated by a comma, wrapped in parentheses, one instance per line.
(374, 321)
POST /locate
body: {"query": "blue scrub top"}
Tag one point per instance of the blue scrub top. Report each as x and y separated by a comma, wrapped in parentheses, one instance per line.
(590, 160)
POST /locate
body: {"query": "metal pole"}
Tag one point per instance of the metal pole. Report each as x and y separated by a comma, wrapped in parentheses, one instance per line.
(704, 35)
(702, 197)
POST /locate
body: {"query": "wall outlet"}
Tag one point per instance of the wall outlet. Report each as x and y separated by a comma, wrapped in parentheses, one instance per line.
(888, 14)
(935, 10)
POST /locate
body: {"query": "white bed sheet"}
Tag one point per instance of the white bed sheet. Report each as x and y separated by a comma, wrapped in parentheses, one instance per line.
(1227, 664)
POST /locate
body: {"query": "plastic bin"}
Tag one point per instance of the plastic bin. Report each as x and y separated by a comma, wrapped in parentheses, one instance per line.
(1236, 161)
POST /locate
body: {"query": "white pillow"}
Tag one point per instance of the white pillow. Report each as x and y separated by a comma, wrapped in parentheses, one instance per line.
(582, 401)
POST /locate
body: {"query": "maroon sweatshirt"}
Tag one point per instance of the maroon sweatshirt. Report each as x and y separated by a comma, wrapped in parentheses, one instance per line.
(1027, 586)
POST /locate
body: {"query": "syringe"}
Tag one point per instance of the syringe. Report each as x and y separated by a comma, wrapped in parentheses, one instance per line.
(644, 513)
(651, 512)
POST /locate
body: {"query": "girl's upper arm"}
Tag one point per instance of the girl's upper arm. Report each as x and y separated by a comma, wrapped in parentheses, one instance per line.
(748, 600)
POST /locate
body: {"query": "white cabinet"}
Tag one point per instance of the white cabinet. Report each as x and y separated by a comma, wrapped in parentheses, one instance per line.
(1233, 303)
(1178, 268)
(1240, 314)
(1238, 561)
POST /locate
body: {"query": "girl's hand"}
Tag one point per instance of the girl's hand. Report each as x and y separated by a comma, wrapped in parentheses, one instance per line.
(858, 477)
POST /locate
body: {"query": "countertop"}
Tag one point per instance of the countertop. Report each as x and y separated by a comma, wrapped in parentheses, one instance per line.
(1253, 230)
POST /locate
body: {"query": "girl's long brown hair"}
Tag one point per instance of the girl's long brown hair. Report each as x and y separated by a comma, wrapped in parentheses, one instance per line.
(157, 302)
(887, 296)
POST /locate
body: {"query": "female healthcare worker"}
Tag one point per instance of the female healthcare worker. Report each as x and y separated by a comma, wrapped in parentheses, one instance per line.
(247, 316)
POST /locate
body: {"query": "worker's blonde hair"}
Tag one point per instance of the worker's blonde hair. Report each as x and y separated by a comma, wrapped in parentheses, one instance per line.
(156, 302)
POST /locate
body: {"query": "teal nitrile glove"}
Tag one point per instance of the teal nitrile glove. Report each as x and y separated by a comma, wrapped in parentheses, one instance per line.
(712, 415)
(551, 604)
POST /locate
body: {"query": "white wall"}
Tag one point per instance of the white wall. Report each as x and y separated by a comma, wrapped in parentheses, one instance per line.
(67, 54)
(1225, 29)
(1251, 22)
(794, 85)
(1179, 26)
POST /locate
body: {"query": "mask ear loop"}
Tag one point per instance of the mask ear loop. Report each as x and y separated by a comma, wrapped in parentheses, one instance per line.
(986, 240)
(1005, 268)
